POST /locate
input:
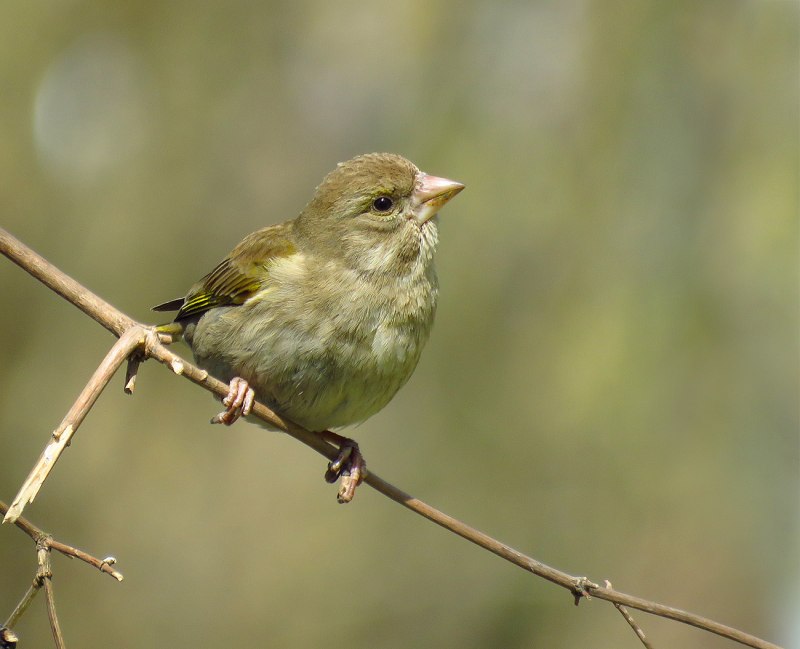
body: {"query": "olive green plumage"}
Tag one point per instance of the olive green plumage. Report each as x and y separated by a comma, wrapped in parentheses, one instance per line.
(325, 316)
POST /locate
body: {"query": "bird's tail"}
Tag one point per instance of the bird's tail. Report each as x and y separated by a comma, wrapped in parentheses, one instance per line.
(172, 305)
(174, 329)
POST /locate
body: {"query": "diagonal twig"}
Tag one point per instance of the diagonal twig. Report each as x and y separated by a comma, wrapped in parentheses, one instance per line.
(631, 622)
(43, 579)
(24, 603)
(579, 587)
(62, 435)
(36, 534)
(95, 307)
(44, 576)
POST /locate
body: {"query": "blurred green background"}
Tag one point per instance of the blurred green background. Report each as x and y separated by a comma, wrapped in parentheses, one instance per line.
(612, 382)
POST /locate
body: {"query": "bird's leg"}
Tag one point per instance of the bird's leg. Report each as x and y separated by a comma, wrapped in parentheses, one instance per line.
(238, 403)
(349, 465)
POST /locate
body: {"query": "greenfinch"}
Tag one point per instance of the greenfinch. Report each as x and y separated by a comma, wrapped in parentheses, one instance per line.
(323, 318)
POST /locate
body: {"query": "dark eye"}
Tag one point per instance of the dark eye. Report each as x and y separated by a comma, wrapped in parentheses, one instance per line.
(382, 204)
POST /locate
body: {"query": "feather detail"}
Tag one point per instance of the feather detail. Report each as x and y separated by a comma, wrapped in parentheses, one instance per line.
(236, 279)
(172, 305)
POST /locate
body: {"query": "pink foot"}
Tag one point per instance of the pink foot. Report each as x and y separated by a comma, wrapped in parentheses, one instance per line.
(238, 403)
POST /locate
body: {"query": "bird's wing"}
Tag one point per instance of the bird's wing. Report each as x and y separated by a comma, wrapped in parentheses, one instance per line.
(242, 274)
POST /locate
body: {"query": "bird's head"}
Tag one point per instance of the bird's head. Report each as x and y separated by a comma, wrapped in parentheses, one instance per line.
(377, 213)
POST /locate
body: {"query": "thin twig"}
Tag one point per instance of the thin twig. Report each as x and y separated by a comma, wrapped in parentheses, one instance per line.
(103, 565)
(55, 627)
(132, 371)
(61, 437)
(37, 534)
(24, 603)
(578, 586)
(631, 622)
(636, 628)
(45, 577)
(117, 322)
(75, 293)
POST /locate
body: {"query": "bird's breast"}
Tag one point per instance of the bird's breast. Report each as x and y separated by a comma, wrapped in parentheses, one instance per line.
(325, 349)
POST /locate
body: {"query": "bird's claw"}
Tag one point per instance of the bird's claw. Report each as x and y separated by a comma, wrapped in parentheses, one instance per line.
(349, 465)
(238, 402)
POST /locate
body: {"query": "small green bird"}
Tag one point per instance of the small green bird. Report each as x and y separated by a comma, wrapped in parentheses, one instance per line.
(323, 318)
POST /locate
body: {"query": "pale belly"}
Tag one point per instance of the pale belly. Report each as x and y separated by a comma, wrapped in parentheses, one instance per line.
(319, 372)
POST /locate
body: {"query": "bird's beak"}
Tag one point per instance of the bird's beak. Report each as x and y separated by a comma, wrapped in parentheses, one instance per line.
(430, 195)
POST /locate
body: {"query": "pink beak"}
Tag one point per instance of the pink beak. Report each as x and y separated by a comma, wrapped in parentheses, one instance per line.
(431, 194)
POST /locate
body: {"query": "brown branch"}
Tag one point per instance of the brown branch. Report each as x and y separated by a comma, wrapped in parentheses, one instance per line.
(24, 603)
(55, 627)
(130, 340)
(117, 322)
(93, 306)
(37, 534)
(631, 622)
(44, 576)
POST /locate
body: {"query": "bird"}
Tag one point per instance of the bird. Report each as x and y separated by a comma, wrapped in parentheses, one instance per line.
(323, 317)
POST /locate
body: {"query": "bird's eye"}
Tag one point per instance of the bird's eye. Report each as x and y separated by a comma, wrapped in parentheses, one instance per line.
(382, 204)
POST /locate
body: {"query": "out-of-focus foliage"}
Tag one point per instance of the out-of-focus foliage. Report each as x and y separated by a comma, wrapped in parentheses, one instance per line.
(612, 383)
